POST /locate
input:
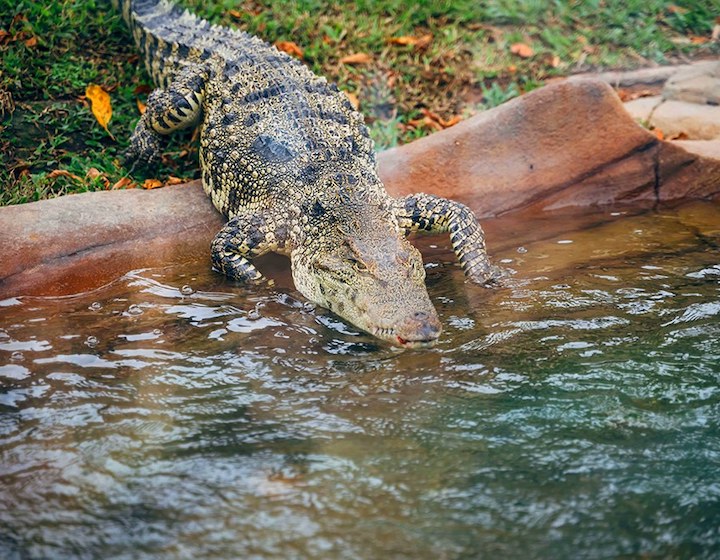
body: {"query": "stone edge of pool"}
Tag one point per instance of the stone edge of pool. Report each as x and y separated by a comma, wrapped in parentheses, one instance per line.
(566, 145)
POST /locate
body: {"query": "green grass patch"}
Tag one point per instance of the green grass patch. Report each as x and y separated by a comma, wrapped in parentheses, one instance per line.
(50, 144)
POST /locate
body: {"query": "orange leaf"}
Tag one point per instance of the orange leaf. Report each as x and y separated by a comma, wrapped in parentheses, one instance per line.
(436, 120)
(697, 40)
(403, 40)
(291, 48)
(122, 183)
(172, 180)
(152, 184)
(4, 36)
(62, 173)
(424, 41)
(626, 95)
(31, 42)
(101, 107)
(429, 114)
(93, 174)
(354, 101)
(452, 122)
(409, 40)
(235, 13)
(357, 58)
(140, 105)
(522, 50)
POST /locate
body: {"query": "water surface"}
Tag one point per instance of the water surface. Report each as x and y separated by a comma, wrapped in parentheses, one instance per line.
(573, 413)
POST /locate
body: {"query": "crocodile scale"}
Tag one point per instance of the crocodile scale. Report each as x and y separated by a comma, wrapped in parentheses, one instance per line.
(287, 159)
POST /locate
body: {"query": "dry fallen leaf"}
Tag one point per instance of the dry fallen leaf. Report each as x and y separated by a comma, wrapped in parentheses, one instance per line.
(172, 180)
(291, 48)
(522, 50)
(122, 183)
(357, 58)
(4, 36)
(403, 40)
(31, 42)
(93, 174)
(354, 101)
(101, 107)
(152, 184)
(62, 173)
(698, 40)
(142, 88)
(409, 40)
(235, 13)
(626, 95)
(452, 122)
(438, 120)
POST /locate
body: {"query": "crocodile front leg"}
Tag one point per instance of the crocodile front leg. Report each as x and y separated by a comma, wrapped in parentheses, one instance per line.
(241, 239)
(432, 214)
(174, 108)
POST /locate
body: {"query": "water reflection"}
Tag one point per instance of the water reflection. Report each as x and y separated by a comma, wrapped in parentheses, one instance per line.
(572, 412)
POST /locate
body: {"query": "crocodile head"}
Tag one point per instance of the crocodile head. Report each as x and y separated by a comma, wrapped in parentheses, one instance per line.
(355, 262)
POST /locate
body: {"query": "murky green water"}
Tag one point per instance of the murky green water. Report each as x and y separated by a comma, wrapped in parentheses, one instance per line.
(572, 414)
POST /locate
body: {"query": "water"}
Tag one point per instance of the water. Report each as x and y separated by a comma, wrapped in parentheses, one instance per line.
(574, 413)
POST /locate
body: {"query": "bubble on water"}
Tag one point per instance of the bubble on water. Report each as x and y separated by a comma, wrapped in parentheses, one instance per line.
(91, 341)
(135, 310)
(186, 290)
(95, 306)
(522, 250)
(17, 356)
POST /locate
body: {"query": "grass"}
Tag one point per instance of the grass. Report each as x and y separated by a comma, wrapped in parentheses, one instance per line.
(50, 144)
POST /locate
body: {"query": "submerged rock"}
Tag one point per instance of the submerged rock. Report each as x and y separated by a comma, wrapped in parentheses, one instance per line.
(564, 145)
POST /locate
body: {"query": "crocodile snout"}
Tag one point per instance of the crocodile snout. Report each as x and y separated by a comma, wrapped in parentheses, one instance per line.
(419, 329)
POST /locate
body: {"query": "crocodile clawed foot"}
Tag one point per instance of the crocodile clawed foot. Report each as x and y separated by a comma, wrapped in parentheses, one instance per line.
(145, 149)
(488, 275)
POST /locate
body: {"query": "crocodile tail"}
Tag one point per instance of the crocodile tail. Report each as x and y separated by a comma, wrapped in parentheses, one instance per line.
(166, 35)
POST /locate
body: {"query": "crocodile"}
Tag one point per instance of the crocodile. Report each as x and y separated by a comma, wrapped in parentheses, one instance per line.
(288, 160)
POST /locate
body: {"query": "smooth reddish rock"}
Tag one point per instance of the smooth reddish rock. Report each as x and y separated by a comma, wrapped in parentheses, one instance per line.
(568, 144)
(73, 243)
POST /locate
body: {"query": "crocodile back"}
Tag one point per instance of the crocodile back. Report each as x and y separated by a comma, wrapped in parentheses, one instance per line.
(272, 130)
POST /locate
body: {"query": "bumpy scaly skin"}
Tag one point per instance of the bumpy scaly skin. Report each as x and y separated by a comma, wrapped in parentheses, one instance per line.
(289, 161)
